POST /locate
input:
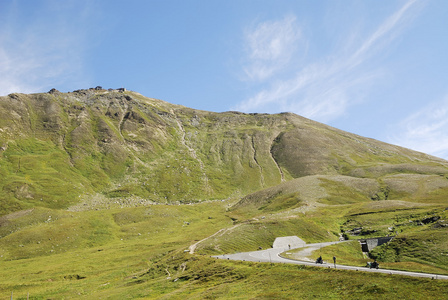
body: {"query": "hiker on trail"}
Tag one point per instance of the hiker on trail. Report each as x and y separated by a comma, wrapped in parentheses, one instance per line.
(289, 246)
(334, 261)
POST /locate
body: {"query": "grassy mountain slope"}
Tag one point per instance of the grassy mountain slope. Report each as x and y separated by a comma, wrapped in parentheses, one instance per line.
(59, 149)
(105, 193)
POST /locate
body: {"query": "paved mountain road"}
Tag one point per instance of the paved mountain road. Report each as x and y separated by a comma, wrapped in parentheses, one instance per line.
(272, 255)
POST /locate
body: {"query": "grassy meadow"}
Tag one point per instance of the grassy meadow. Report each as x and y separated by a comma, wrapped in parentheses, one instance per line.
(143, 252)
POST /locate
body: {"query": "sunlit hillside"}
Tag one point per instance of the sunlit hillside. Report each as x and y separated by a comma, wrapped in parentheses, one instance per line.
(110, 194)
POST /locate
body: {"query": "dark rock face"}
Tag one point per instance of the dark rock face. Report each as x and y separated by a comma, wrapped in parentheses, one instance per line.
(53, 91)
(430, 219)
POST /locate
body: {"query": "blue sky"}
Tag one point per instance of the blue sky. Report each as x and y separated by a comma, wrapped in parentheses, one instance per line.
(377, 68)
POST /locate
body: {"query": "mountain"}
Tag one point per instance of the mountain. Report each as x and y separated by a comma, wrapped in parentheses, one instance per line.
(110, 194)
(99, 147)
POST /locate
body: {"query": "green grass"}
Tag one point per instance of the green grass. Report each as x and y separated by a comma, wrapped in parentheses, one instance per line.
(104, 245)
(141, 272)
(439, 196)
(281, 202)
(390, 220)
(425, 247)
(339, 193)
(36, 173)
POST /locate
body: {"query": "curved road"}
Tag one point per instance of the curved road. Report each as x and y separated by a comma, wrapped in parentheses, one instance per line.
(272, 255)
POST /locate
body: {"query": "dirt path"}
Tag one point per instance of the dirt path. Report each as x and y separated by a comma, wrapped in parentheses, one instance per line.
(193, 247)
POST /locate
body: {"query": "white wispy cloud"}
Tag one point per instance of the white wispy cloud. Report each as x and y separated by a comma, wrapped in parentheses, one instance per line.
(43, 50)
(386, 32)
(325, 88)
(425, 130)
(270, 46)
